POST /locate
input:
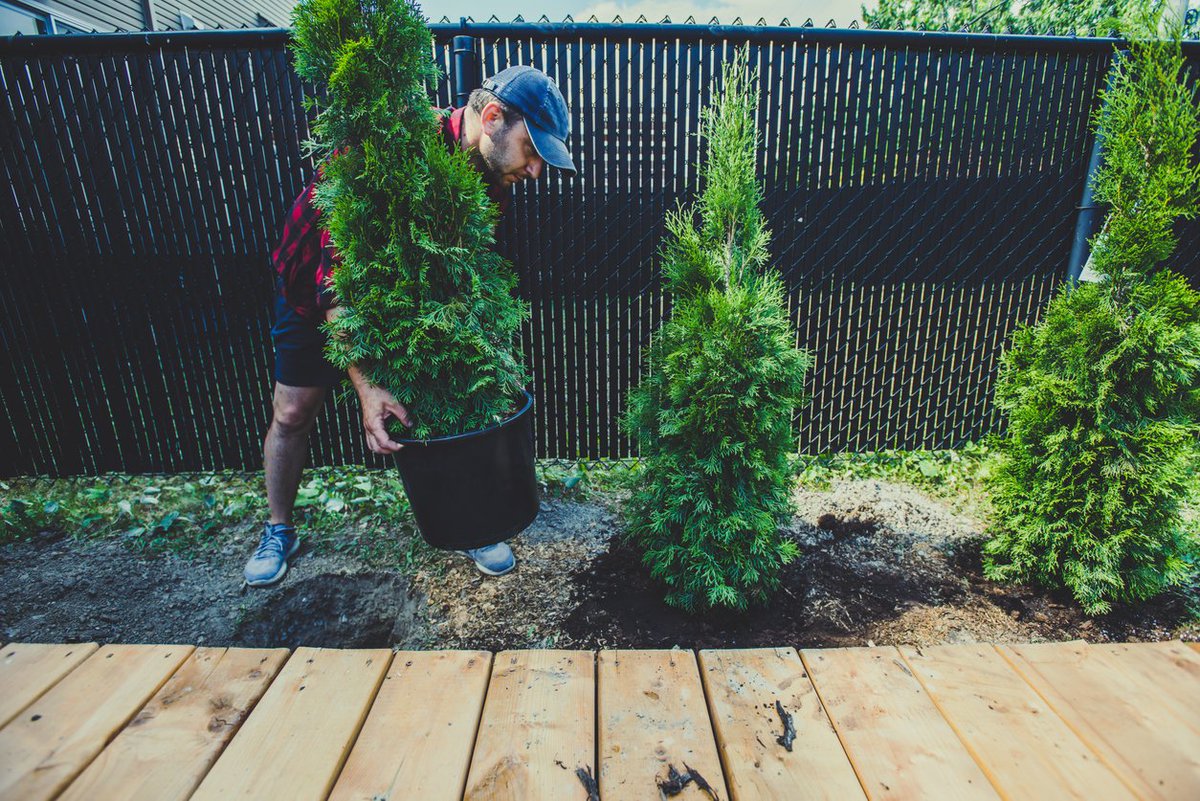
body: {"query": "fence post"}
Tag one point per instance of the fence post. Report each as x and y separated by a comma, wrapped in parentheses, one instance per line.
(1085, 224)
(466, 67)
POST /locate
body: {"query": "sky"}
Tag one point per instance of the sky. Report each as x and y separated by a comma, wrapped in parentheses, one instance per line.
(821, 11)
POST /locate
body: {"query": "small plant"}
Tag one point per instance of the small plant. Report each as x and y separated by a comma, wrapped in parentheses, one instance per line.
(361, 512)
(28, 517)
(949, 474)
(1102, 397)
(428, 310)
(713, 416)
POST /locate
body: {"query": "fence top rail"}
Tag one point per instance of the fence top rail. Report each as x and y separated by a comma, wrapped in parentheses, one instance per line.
(585, 31)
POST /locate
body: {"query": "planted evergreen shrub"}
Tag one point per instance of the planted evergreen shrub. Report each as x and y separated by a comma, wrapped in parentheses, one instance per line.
(428, 310)
(713, 416)
(1102, 396)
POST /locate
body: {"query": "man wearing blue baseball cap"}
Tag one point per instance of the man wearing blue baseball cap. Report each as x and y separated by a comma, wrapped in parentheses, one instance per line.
(511, 127)
(540, 106)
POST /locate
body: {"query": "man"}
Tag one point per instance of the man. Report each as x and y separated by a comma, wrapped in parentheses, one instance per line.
(511, 128)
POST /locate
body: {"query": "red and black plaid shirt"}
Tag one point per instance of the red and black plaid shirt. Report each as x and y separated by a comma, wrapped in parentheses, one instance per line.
(305, 259)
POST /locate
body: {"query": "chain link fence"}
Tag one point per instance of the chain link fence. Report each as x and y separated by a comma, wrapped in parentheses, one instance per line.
(921, 188)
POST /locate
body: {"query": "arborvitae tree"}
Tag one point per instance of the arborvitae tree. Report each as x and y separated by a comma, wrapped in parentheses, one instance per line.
(1063, 17)
(1102, 397)
(713, 416)
(428, 306)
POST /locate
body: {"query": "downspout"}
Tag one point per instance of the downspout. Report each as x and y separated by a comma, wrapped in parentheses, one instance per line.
(466, 67)
(1085, 223)
(148, 15)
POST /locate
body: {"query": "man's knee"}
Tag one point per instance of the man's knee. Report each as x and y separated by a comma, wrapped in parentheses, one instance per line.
(295, 412)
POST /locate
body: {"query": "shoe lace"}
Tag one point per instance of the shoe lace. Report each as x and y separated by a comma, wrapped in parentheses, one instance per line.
(273, 542)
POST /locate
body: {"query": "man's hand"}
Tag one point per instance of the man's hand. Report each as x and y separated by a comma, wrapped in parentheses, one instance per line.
(377, 405)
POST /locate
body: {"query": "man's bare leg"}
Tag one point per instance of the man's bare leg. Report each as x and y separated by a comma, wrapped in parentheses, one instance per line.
(286, 447)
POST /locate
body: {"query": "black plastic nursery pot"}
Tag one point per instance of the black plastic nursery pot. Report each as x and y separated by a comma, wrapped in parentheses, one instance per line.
(473, 489)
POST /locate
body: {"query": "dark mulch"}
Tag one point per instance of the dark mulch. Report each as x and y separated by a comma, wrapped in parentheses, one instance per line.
(830, 600)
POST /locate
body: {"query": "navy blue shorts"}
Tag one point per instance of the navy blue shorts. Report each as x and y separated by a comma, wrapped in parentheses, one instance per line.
(300, 350)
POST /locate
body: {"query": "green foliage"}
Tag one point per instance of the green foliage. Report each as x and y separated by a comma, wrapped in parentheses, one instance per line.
(1149, 126)
(1102, 397)
(155, 513)
(24, 518)
(428, 310)
(950, 474)
(364, 513)
(1063, 17)
(713, 416)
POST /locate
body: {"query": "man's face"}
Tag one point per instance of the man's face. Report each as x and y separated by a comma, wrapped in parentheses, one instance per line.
(506, 149)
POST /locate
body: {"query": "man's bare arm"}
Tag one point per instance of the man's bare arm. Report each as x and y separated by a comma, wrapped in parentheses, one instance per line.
(377, 405)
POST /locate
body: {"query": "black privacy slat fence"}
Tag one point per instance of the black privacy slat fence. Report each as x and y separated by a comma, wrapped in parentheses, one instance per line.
(922, 190)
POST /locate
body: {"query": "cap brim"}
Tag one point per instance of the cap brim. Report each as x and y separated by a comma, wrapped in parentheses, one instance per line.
(552, 149)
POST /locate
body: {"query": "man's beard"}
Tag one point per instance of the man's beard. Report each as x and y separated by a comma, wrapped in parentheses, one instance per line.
(493, 166)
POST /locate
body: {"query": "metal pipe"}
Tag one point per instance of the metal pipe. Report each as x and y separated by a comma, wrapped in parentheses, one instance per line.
(1086, 222)
(466, 68)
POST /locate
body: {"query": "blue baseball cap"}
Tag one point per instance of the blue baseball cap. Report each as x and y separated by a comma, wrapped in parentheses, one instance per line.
(532, 93)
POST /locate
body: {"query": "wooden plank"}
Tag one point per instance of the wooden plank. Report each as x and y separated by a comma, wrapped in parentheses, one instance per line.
(652, 717)
(1134, 730)
(1195, 646)
(418, 737)
(169, 747)
(537, 729)
(1169, 666)
(897, 741)
(1024, 748)
(57, 735)
(27, 670)
(296, 740)
(743, 687)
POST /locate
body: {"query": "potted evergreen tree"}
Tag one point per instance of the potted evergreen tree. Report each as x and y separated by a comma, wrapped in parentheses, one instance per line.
(1102, 397)
(713, 416)
(428, 306)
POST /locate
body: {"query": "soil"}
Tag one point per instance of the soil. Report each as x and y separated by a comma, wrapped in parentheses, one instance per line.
(67, 591)
(881, 564)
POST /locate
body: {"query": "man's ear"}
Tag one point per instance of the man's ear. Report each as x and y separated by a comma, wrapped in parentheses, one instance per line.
(491, 118)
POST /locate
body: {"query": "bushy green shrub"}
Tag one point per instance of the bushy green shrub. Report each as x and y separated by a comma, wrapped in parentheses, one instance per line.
(713, 416)
(428, 306)
(1102, 397)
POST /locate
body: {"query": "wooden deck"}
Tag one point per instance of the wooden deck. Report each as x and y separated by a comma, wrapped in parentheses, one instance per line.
(1054, 721)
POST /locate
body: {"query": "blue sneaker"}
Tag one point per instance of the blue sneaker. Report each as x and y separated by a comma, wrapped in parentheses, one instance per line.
(269, 562)
(493, 560)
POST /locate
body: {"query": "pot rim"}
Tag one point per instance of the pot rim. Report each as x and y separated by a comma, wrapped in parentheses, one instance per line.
(477, 432)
